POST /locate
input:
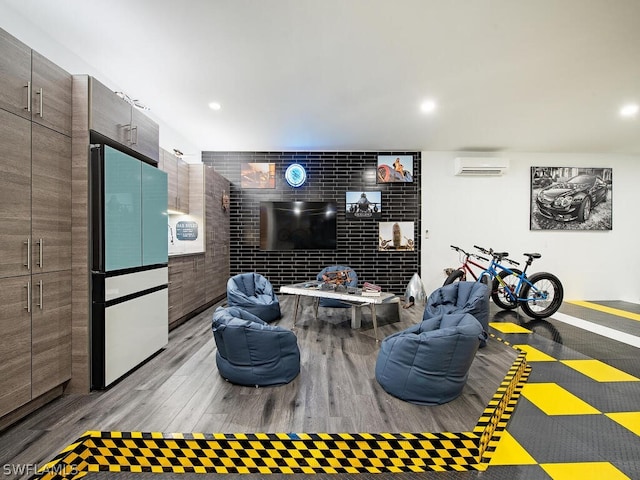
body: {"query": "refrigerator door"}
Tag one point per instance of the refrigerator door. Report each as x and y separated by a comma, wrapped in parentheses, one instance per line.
(122, 210)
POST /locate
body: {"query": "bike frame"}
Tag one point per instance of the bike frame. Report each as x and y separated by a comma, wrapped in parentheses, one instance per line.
(514, 294)
(467, 260)
(465, 266)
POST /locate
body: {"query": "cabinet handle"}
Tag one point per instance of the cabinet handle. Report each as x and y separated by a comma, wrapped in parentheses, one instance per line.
(28, 244)
(28, 87)
(39, 92)
(128, 128)
(41, 297)
(28, 307)
(41, 253)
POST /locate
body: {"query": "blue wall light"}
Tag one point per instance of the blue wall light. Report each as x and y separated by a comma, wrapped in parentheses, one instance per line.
(295, 175)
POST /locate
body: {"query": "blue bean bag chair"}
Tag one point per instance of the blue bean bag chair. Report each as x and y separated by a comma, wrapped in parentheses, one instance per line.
(254, 293)
(463, 297)
(346, 276)
(252, 352)
(428, 363)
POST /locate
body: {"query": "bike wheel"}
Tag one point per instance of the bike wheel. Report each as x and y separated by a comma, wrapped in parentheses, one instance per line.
(455, 276)
(544, 293)
(499, 293)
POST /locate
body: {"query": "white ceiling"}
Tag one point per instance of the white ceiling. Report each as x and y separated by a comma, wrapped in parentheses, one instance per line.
(507, 75)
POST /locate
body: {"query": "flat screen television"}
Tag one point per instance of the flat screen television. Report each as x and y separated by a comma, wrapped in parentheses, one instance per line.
(298, 225)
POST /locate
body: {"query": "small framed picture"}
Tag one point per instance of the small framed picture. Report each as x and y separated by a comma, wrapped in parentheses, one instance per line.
(258, 175)
(395, 169)
(363, 205)
(396, 236)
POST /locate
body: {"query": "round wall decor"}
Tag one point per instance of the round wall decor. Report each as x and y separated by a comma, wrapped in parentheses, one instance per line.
(295, 175)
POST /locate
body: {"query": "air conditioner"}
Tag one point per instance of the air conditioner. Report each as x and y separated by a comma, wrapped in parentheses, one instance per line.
(481, 166)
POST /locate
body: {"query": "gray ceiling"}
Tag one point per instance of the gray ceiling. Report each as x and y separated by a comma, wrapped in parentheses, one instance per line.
(507, 75)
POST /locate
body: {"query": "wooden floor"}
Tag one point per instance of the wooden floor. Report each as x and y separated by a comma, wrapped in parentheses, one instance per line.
(180, 390)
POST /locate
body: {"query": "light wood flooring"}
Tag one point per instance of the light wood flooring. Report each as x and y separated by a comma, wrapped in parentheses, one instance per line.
(180, 390)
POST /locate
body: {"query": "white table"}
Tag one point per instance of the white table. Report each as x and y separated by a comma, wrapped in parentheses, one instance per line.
(356, 300)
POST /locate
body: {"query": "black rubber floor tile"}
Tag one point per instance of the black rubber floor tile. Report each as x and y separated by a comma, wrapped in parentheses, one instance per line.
(611, 441)
(608, 396)
(556, 372)
(547, 440)
(631, 469)
(528, 472)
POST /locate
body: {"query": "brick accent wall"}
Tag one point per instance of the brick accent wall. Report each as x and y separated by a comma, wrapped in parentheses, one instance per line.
(329, 176)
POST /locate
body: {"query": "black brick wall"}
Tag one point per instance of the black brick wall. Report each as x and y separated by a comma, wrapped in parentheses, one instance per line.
(329, 176)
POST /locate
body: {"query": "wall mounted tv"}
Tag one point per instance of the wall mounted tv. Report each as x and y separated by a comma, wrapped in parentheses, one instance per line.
(298, 225)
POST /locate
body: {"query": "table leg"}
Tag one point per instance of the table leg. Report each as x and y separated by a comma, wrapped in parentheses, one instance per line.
(356, 316)
(375, 321)
(295, 309)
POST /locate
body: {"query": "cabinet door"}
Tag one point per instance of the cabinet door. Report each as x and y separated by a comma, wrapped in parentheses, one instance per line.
(123, 212)
(15, 194)
(109, 114)
(188, 284)
(145, 135)
(200, 282)
(175, 289)
(51, 200)
(183, 186)
(51, 331)
(50, 94)
(15, 354)
(170, 165)
(15, 75)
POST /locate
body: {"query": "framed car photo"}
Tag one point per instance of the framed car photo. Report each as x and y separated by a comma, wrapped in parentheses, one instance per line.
(571, 198)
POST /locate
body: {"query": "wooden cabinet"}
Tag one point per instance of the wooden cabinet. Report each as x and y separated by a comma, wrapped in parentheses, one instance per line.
(175, 289)
(197, 280)
(15, 194)
(182, 202)
(178, 181)
(50, 331)
(186, 285)
(50, 200)
(33, 87)
(50, 95)
(15, 354)
(217, 260)
(35, 214)
(15, 76)
(118, 120)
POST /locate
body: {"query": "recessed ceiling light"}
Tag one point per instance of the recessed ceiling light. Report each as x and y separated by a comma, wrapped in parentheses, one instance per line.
(629, 110)
(215, 106)
(428, 106)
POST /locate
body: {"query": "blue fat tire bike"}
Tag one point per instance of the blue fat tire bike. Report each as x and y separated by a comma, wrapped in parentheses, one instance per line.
(539, 294)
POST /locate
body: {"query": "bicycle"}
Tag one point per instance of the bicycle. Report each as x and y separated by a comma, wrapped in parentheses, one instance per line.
(539, 295)
(461, 273)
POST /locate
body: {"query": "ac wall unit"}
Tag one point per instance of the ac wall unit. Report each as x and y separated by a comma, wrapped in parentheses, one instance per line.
(481, 166)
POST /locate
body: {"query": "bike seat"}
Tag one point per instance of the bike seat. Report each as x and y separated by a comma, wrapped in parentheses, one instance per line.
(501, 255)
(532, 255)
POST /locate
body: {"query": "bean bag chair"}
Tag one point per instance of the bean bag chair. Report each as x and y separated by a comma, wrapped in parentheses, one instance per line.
(254, 293)
(464, 297)
(338, 275)
(252, 352)
(428, 363)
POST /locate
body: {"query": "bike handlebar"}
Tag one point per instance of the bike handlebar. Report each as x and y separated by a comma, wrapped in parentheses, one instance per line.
(492, 253)
(479, 257)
